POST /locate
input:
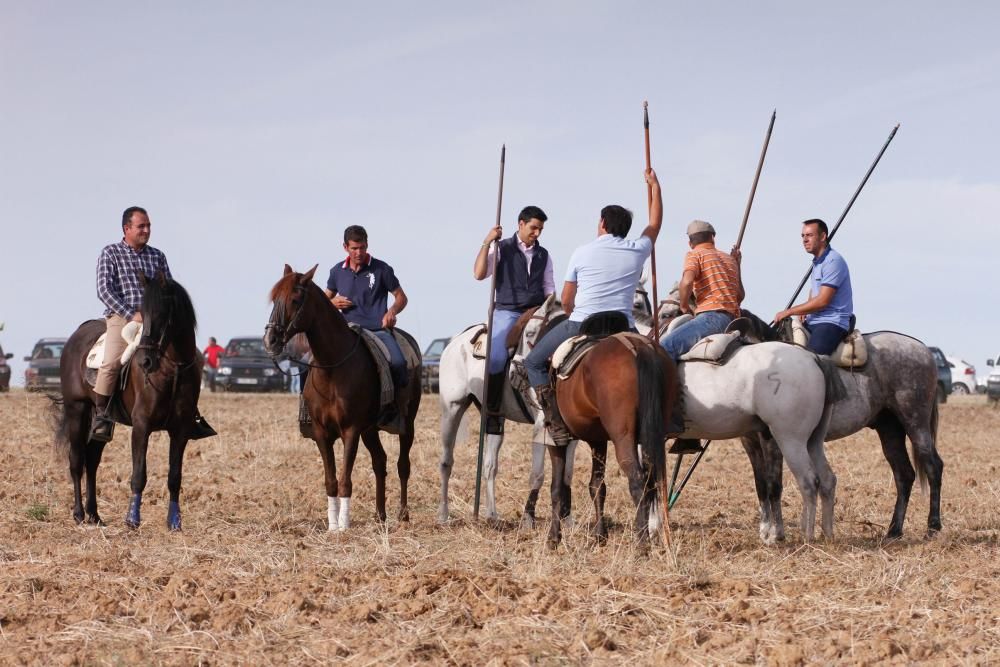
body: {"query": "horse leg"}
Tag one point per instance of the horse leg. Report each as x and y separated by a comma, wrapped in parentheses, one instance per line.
(491, 465)
(374, 446)
(800, 463)
(140, 443)
(536, 477)
(558, 457)
(893, 438)
(640, 485)
(325, 445)
(75, 432)
(827, 480)
(932, 467)
(451, 419)
(567, 509)
(774, 469)
(178, 443)
(755, 452)
(344, 485)
(94, 452)
(598, 489)
(403, 470)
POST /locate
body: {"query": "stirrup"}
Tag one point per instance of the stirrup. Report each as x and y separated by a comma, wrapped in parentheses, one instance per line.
(494, 424)
(201, 429)
(102, 429)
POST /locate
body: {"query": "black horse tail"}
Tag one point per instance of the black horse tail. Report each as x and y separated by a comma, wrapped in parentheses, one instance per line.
(652, 417)
(920, 456)
(59, 421)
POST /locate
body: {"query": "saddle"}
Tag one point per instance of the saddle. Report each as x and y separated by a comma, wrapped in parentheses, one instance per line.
(852, 353)
(513, 337)
(381, 356)
(131, 334)
(715, 349)
(593, 330)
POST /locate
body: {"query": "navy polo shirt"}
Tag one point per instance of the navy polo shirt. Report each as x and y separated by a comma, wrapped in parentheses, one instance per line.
(368, 290)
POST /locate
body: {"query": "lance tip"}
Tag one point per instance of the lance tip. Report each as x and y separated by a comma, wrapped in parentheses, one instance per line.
(645, 104)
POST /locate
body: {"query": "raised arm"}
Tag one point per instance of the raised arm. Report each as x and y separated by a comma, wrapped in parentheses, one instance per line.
(656, 207)
(483, 268)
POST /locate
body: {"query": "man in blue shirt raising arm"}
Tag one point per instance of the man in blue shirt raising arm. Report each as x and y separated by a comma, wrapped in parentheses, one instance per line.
(602, 276)
(827, 313)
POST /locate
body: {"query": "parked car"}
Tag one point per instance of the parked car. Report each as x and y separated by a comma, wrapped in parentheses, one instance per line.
(963, 376)
(4, 370)
(42, 372)
(246, 366)
(993, 380)
(432, 363)
(944, 374)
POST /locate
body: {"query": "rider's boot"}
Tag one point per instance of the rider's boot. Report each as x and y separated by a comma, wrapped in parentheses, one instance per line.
(200, 428)
(494, 403)
(685, 446)
(102, 428)
(553, 420)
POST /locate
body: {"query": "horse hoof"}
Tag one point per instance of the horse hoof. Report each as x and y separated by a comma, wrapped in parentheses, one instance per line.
(94, 520)
(404, 514)
(552, 544)
(134, 525)
(442, 517)
(78, 517)
(527, 522)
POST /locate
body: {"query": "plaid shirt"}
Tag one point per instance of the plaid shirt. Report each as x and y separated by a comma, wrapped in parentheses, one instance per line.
(118, 268)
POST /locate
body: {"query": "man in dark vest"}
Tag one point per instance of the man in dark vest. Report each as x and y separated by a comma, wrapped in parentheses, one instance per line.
(524, 280)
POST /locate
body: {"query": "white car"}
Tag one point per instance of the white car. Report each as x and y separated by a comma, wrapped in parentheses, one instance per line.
(993, 380)
(963, 376)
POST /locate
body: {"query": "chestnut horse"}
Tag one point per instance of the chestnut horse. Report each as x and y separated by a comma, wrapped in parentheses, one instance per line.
(341, 391)
(164, 383)
(623, 392)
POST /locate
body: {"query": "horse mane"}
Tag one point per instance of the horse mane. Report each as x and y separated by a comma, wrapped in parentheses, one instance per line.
(155, 295)
(282, 290)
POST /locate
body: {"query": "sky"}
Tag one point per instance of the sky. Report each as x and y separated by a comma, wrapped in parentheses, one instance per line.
(255, 132)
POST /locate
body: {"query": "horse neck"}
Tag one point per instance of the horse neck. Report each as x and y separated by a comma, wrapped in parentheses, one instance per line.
(183, 343)
(328, 333)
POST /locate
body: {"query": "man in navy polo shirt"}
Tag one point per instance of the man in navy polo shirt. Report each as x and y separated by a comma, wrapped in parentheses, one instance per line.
(602, 276)
(830, 307)
(359, 288)
(524, 280)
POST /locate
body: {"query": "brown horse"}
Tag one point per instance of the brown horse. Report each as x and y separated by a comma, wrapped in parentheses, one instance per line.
(341, 391)
(622, 391)
(161, 394)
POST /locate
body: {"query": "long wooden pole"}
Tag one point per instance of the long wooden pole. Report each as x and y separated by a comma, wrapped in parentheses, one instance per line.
(756, 178)
(489, 341)
(676, 494)
(649, 206)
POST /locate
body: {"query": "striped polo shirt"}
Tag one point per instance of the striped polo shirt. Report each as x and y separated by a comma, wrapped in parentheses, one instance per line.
(716, 279)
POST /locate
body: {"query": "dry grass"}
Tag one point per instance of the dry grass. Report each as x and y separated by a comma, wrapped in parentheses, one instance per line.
(254, 577)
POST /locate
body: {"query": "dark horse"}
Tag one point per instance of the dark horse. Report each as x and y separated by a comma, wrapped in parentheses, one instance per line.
(622, 391)
(161, 394)
(341, 392)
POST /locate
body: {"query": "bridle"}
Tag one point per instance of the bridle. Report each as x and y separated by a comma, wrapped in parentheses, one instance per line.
(285, 330)
(158, 351)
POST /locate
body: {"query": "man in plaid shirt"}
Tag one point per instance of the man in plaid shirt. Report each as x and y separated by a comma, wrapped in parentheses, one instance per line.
(119, 289)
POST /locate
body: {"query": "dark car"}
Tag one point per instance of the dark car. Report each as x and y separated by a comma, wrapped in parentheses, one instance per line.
(42, 373)
(4, 370)
(246, 366)
(432, 363)
(944, 374)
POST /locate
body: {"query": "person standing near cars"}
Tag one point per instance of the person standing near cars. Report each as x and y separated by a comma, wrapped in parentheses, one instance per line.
(524, 281)
(828, 312)
(212, 354)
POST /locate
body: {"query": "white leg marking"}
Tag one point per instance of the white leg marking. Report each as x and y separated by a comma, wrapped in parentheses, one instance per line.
(332, 507)
(345, 514)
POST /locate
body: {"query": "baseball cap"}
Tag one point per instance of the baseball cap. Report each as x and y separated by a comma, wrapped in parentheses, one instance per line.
(699, 226)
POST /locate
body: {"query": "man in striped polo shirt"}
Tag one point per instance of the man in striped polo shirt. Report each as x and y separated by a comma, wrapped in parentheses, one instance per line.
(714, 278)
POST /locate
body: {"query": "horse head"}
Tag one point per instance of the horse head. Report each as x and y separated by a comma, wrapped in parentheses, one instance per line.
(167, 316)
(290, 315)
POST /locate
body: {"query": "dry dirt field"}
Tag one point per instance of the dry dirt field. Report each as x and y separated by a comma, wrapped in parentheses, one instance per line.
(255, 577)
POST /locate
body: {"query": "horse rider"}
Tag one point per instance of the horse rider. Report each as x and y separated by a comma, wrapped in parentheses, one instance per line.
(120, 290)
(524, 280)
(359, 288)
(828, 313)
(601, 276)
(713, 277)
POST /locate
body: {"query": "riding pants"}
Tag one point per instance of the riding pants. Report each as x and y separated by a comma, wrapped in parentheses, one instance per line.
(537, 361)
(114, 347)
(683, 338)
(397, 362)
(824, 337)
(503, 322)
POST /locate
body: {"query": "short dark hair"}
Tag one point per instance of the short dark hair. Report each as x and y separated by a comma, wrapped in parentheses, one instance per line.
(617, 220)
(820, 225)
(701, 237)
(127, 215)
(529, 212)
(355, 233)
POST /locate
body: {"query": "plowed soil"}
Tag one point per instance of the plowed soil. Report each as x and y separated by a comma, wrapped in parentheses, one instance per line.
(256, 578)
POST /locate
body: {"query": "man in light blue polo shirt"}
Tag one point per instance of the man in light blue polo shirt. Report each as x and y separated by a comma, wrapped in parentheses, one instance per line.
(830, 306)
(602, 276)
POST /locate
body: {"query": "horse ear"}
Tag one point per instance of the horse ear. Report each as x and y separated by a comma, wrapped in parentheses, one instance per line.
(308, 275)
(288, 270)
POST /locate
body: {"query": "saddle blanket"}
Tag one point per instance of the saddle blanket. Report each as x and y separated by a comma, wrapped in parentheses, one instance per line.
(851, 353)
(715, 349)
(131, 334)
(381, 356)
(569, 354)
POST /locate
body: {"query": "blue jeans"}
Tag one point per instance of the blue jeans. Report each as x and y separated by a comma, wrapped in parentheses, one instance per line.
(683, 338)
(824, 337)
(503, 322)
(537, 361)
(397, 362)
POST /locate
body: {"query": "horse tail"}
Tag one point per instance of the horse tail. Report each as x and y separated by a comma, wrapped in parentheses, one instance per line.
(651, 420)
(60, 426)
(919, 455)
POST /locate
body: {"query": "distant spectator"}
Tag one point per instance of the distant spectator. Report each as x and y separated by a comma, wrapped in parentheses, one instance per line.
(212, 354)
